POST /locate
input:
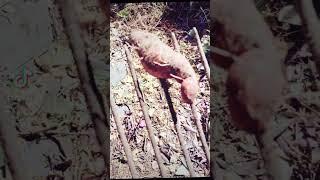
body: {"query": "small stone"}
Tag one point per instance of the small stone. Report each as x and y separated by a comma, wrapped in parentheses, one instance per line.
(182, 171)
(142, 123)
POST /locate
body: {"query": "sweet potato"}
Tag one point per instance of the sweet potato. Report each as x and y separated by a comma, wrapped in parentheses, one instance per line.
(161, 61)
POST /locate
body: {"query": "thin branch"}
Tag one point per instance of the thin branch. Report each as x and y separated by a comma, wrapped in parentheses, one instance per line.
(93, 97)
(200, 130)
(146, 115)
(177, 126)
(123, 138)
(175, 42)
(203, 56)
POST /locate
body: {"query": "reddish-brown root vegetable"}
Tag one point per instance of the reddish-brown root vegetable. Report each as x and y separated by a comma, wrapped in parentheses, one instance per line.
(161, 61)
(189, 90)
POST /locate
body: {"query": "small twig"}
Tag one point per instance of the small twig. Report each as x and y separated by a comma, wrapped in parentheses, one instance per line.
(145, 112)
(288, 96)
(201, 133)
(297, 114)
(310, 108)
(158, 22)
(175, 42)
(140, 21)
(123, 138)
(313, 67)
(189, 128)
(93, 97)
(204, 13)
(203, 56)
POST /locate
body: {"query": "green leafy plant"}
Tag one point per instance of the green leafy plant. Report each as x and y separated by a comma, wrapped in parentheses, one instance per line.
(124, 13)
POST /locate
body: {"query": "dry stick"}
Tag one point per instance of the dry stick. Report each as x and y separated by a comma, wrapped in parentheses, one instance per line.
(145, 113)
(177, 126)
(174, 116)
(123, 138)
(175, 42)
(312, 26)
(93, 97)
(11, 146)
(203, 56)
(195, 113)
(201, 133)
